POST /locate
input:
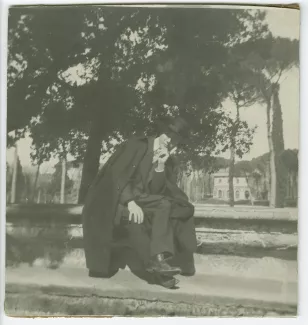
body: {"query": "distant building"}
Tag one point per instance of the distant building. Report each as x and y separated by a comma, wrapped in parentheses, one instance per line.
(221, 186)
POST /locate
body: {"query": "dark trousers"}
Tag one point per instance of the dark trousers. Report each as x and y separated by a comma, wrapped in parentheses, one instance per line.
(167, 227)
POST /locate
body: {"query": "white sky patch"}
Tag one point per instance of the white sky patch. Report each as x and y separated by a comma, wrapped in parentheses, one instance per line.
(81, 73)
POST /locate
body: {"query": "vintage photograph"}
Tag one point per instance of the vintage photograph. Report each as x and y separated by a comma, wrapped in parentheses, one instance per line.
(152, 161)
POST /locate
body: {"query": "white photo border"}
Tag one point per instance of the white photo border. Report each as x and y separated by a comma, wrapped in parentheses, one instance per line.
(303, 172)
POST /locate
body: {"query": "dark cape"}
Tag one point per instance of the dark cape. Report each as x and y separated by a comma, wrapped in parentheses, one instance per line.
(103, 197)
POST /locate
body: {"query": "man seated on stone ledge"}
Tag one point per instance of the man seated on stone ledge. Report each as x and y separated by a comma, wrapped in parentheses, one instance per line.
(139, 182)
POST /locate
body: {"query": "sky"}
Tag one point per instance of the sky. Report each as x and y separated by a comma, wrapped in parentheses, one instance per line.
(283, 23)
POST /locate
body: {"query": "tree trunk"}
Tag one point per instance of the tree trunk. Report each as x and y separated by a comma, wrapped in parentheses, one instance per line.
(39, 196)
(35, 182)
(232, 155)
(273, 180)
(272, 192)
(27, 188)
(63, 176)
(91, 160)
(231, 176)
(202, 184)
(290, 185)
(278, 148)
(14, 177)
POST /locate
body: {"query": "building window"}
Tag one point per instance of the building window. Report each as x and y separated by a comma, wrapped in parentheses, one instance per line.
(247, 194)
(228, 194)
(220, 194)
(237, 194)
(237, 180)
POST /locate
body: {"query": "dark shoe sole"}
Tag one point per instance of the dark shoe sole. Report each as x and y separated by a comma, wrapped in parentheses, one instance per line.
(164, 281)
(170, 284)
(165, 272)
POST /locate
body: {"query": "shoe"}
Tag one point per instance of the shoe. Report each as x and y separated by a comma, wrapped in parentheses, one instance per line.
(165, 281)
(159, 265)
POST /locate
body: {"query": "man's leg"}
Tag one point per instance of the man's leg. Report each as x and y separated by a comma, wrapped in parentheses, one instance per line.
(154, 236)
(184, 227)
(185, 238)
(139, 240)
(161, 227)
(158, 228)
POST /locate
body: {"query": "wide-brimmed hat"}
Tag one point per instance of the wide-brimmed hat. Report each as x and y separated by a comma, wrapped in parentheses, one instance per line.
(176, 128)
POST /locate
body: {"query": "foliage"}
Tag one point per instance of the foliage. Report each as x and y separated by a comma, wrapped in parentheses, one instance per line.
(194, 73)
(179, 61)
(236, 133)
(41, 44)
(290, 159)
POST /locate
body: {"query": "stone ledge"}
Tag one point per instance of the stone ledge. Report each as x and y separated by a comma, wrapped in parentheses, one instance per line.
(201, 211)
(287, 214)
(206, 217)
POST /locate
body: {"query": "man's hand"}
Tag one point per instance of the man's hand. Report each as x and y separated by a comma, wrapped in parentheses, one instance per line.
(135, 212)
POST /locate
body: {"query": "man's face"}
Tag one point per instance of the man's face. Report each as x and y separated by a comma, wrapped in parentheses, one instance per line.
(164, 141)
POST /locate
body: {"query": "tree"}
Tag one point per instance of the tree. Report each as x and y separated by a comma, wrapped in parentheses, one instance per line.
(144, 63)
(242, 93)
(114, 43)
(269, 59)
(16, 170)
(238, 138)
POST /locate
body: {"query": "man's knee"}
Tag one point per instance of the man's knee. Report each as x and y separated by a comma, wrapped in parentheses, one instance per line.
(165, 204)
(182, 213)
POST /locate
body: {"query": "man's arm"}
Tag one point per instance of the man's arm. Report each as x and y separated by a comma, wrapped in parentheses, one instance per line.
(127, 194)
